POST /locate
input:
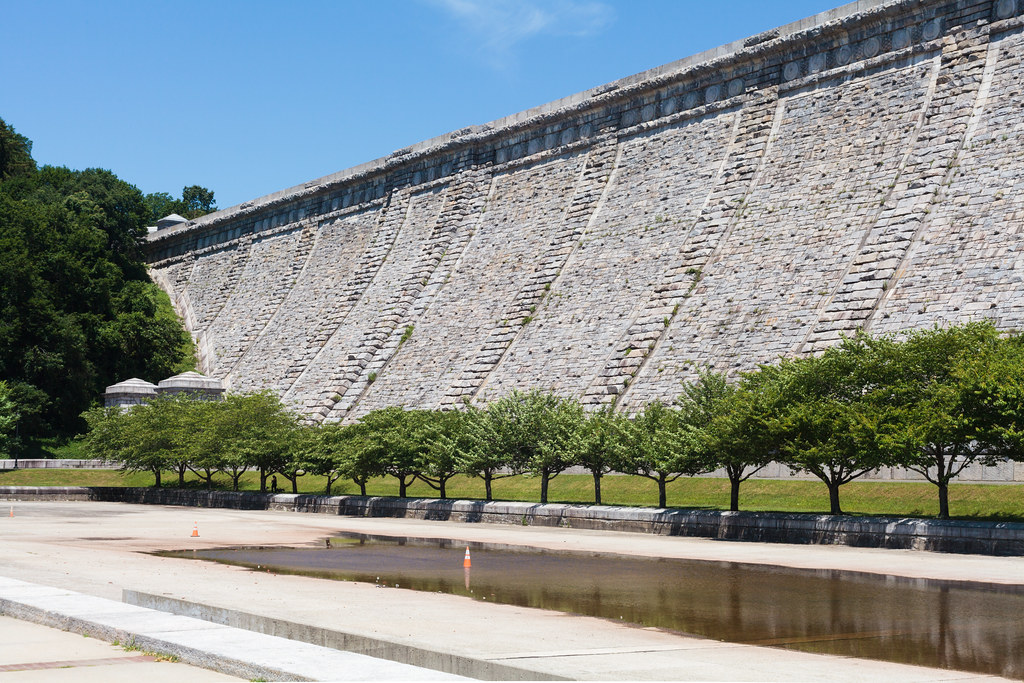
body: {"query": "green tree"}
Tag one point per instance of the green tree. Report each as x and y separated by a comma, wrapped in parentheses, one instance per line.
(533, 432)
(76, 304)
(393, 440)
(488, 458)
(332, 450)
(449, 446)
(825, 423)
(739, 436)
(9, 416)
(658, 445)
(938, 427)
(296, 444)
(179, 461)
(351, 447)
(144, 438)
(210, 444)
(598, 449)
(196, 201)
(698, 404)
(145, 337)
(993, 395)
(15, 153)
(159, 204)
(257, 431)
(107, 439)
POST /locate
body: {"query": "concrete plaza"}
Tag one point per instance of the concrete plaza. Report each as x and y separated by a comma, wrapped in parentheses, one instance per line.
(100, 549)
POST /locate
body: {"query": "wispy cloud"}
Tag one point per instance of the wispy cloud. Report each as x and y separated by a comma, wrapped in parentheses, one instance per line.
(497, 27)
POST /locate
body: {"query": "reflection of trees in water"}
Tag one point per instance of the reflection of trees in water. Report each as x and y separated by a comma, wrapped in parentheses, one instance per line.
(946, 644)
(827, 611)
(735, 610)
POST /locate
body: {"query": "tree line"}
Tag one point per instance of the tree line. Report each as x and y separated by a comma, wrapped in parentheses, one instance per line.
(78, 310)
(934, 401)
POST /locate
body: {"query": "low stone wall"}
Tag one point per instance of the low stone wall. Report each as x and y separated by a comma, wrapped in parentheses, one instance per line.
(57, 463)
(985, 538)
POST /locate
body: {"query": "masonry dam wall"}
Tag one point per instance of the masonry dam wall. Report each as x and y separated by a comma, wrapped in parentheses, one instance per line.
(861, 169)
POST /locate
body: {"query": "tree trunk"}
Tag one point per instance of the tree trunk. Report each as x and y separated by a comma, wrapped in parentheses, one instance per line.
(662, 497)
(295, 484)
(944, 500)
(156, 475)
(401, 487)
(942, 476)
(362, 488)
(597, 487)
(441, 488)
(181, 476)
(487, 485)
(544, 486)
(833, 499)
(234, 481)
(734, 494)
(263, 479)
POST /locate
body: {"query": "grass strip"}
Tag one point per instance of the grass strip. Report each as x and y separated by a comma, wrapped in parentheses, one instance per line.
(998, 502)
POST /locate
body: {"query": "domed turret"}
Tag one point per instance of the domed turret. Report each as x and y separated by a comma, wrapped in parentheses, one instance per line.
(131, 392)
(195, 385)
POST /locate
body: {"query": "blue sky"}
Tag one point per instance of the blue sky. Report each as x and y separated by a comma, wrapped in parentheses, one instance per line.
(247, 98)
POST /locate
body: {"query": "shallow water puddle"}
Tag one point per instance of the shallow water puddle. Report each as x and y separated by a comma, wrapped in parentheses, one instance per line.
(937, 624)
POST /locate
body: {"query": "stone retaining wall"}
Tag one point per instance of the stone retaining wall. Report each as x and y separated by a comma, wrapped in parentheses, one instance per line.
(986, 538)
(860, 169)
(57, 463)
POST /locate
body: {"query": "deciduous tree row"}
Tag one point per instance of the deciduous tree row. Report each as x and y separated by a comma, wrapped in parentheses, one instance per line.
(934, 401)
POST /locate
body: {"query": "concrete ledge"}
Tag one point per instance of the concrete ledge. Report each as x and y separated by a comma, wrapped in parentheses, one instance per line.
(221, 648)
(953, 536)
(338, 640)
(57, 463)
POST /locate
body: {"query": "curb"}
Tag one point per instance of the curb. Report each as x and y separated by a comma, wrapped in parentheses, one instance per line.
(480, 669)
(233, 651)
(939, 535)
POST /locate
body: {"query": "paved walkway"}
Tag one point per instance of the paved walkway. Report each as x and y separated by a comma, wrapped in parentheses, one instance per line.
(221, 648)
(101, 548)
(30, 652)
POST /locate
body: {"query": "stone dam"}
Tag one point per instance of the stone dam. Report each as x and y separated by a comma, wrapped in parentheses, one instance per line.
(860, 169)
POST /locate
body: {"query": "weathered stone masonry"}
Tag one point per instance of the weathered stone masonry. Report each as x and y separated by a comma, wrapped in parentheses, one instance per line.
(861, 169)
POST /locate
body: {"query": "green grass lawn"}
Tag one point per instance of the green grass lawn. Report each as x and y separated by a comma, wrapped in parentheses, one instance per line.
(53, 448)
(967, 501)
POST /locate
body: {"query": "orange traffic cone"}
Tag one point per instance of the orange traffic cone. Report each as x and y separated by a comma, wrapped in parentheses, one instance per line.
(12, 511)
(195, 531)
(466, 562)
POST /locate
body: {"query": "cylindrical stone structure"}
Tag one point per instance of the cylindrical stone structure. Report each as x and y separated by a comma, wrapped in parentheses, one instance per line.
(131, 392)
(197, 386)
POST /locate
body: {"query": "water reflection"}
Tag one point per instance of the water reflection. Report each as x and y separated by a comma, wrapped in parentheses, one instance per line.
(911, 621)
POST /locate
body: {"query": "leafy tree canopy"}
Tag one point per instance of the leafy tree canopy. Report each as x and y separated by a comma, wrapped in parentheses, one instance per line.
(934, 379)
(660, 445)
(195, 201)
(15, 153)
(825, 423)
(8, 417)
(77, 308)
